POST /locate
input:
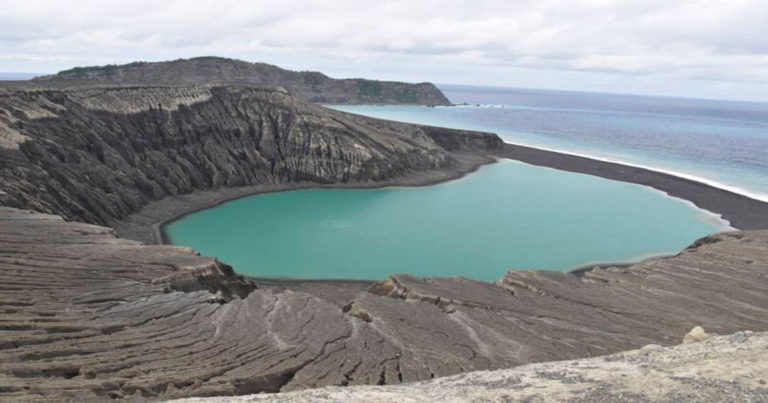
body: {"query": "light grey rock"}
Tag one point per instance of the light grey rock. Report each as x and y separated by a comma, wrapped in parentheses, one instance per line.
(718, 370)
(697, 334)
(86, 315)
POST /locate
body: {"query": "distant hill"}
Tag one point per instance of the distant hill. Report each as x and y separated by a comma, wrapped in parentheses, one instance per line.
(310, 85)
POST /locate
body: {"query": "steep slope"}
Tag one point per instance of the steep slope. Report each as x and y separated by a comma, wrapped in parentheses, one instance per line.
(99, 154)
(86, 315)
(310, 85)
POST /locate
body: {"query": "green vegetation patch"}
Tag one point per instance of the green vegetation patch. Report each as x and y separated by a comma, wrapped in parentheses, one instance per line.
(406, 95)
(368, 89)
(108, 70)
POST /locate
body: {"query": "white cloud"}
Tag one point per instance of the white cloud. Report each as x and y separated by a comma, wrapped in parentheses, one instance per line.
(688, 46)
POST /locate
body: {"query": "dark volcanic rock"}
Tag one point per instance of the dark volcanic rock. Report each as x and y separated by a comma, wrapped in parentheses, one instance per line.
(100, 154)
(463, 140)
(86, 315)
(310, 85)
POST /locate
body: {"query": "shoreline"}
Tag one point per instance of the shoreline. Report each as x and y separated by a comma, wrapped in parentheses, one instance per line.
(742, 212)
(217, 317)
(579, 271)
(698, 179)
(739, 211)
(148, 224)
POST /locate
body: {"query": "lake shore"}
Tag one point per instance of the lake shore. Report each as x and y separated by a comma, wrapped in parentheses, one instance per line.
(147, 225)
(180, 318)
(742, 212)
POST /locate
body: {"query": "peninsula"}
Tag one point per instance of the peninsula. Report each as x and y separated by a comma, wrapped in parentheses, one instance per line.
(88, 314)
(310, 85)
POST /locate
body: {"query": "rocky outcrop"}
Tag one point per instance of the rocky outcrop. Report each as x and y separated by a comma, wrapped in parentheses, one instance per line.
(697, 334)
(87, 315)
(726, 368)
(101, 154)
(310, 85)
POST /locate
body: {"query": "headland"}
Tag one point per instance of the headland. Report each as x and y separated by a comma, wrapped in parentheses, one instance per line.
(90, 315)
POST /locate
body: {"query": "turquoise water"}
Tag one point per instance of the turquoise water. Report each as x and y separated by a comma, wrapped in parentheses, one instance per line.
(506, 215)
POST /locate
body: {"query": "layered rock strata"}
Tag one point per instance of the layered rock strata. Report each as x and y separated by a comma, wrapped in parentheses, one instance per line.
(88, 315)
(724, 368)
(101, 154)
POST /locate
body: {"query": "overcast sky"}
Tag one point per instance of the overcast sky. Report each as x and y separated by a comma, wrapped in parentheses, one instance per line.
(712, 49)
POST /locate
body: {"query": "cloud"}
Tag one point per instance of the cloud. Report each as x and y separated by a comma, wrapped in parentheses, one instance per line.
(697, 40)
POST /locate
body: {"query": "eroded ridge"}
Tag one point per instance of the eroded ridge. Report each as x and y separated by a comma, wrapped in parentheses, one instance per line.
(310, 85)
(100, 154)
(89, 315)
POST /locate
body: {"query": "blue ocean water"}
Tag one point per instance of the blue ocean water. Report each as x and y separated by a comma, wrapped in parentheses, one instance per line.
(723, 143)
(18, 76)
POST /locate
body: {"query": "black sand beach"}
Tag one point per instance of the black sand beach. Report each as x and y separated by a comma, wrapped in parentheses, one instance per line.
(742, 212)
(147, 225)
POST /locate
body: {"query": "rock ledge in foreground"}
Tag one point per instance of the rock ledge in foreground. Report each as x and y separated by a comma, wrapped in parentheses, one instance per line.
(723, 368)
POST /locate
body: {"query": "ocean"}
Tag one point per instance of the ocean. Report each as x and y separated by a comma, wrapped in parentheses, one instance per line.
(721, 143)
(18, 76)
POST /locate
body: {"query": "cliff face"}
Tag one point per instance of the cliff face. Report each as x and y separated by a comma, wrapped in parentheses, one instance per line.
(89, 316)
(99, 154)
(312, 86)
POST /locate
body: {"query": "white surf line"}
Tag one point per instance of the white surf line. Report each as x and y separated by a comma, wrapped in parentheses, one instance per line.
(722, 186)
(707, 216)
(699, 179)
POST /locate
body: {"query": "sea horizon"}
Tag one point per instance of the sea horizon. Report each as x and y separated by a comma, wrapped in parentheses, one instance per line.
(442, 85)
(509, 112)
(24, 76)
